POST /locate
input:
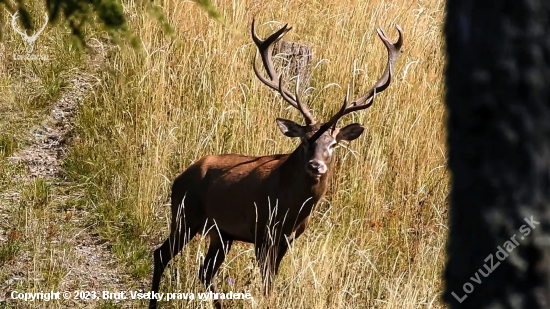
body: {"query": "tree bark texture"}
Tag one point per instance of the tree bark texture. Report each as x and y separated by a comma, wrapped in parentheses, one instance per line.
(498, 100)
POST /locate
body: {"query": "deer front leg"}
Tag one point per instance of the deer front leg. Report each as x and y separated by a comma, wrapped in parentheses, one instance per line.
(280, 251)
(280, 254)
(265, 257)
(269, 260)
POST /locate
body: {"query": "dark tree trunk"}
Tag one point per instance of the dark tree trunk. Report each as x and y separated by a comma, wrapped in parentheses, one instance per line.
(498, 99)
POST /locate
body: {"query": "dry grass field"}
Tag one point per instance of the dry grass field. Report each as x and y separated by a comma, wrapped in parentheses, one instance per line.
(378, 238)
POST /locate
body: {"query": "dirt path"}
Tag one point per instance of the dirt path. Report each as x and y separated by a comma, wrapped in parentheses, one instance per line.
(81, 260)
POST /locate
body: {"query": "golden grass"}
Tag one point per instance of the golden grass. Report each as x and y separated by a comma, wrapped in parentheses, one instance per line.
(378, 239)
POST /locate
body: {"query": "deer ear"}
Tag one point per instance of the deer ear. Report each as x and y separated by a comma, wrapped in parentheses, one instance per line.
(291, 128)
(350, 132)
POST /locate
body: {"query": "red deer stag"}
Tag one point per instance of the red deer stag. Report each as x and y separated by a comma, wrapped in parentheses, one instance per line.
(266, 201)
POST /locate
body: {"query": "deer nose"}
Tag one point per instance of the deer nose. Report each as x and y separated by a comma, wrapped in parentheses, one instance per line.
(317, 167)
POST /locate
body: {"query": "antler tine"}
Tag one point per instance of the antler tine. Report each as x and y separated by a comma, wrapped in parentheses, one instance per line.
(43, 26)
(303, 109)
(331, 124)
(265, 48)
(305, 112)
(384, 81)
(14, 25)
(381, 85)
(340, 113)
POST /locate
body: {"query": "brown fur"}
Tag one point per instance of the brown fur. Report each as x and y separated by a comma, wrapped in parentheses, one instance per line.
(265, 201)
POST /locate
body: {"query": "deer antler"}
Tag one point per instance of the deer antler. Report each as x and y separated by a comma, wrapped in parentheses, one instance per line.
(265, 48)
(36, 34)
(14, 24)
(381, 85)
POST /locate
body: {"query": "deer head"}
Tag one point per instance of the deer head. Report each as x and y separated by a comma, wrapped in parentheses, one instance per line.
(29, 40)
(319, 139)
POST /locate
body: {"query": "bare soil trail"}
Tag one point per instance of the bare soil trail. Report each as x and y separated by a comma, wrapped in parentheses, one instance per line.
(79, 257)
